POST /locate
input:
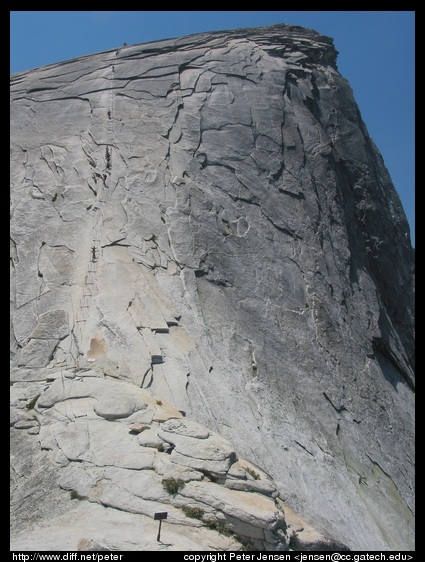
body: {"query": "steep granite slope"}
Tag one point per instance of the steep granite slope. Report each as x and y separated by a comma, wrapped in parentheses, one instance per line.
(207, 220)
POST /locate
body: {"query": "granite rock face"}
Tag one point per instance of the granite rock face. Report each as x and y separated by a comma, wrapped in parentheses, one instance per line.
(206, 220)
(117, 446)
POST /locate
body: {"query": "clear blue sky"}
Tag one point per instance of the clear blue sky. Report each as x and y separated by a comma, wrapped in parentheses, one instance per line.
(376, 55)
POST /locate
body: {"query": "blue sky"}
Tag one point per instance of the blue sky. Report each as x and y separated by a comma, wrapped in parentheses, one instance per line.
(376, 55)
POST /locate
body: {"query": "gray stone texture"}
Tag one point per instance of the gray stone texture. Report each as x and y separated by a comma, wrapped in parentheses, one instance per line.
(205, 240)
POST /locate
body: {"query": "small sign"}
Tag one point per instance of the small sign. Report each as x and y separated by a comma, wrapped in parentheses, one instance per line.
(161, 515)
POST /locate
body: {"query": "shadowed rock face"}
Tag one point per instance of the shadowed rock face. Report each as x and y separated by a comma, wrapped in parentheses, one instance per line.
(208, 219)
